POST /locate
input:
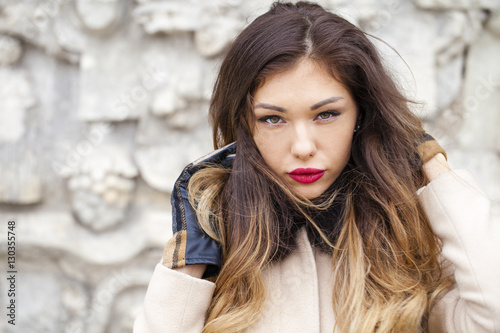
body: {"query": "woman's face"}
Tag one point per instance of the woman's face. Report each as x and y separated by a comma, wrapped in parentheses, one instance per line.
(305, 123)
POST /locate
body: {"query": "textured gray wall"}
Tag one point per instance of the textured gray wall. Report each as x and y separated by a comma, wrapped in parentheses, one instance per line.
(102, 103)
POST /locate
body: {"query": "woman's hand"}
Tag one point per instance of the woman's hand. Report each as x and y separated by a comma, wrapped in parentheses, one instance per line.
(193, 270)
(191, 250)
(433, 157)
(435, 166)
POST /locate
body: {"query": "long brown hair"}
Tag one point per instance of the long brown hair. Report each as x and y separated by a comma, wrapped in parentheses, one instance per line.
(386, 257)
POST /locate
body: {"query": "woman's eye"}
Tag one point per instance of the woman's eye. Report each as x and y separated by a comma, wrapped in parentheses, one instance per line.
(327, 115)
(273, 120)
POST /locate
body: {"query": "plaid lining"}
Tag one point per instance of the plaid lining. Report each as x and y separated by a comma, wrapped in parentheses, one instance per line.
(175, 250)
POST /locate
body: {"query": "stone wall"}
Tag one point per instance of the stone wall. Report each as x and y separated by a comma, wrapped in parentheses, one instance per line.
(102, 103)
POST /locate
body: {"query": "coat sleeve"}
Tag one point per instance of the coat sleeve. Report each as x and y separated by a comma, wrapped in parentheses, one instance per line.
(460, 216)
(174, 302)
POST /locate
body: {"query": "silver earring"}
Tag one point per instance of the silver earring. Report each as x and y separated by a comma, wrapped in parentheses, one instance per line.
(356, 128)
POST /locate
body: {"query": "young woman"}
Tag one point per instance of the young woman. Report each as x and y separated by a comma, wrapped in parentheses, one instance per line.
(326, 207)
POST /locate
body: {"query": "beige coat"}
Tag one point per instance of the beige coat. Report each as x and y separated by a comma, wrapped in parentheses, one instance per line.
(299, 288)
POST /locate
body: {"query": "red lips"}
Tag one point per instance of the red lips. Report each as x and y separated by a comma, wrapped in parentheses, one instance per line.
(306, 175)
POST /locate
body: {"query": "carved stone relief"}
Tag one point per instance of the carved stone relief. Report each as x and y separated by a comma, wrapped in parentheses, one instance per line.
(102, 187)
(15, 99)
(98, 15)
(142, 73)
(10, 50)
(214, 23)
(20, 182)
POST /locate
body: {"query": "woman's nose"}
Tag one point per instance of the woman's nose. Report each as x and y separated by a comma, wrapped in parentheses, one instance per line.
(303, 144)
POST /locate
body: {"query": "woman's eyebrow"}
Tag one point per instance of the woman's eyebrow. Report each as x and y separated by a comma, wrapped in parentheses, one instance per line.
(270, 107)
(325, 101)
(314, 107)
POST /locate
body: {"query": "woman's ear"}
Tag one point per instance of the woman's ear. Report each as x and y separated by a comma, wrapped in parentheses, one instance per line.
(357, 127)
